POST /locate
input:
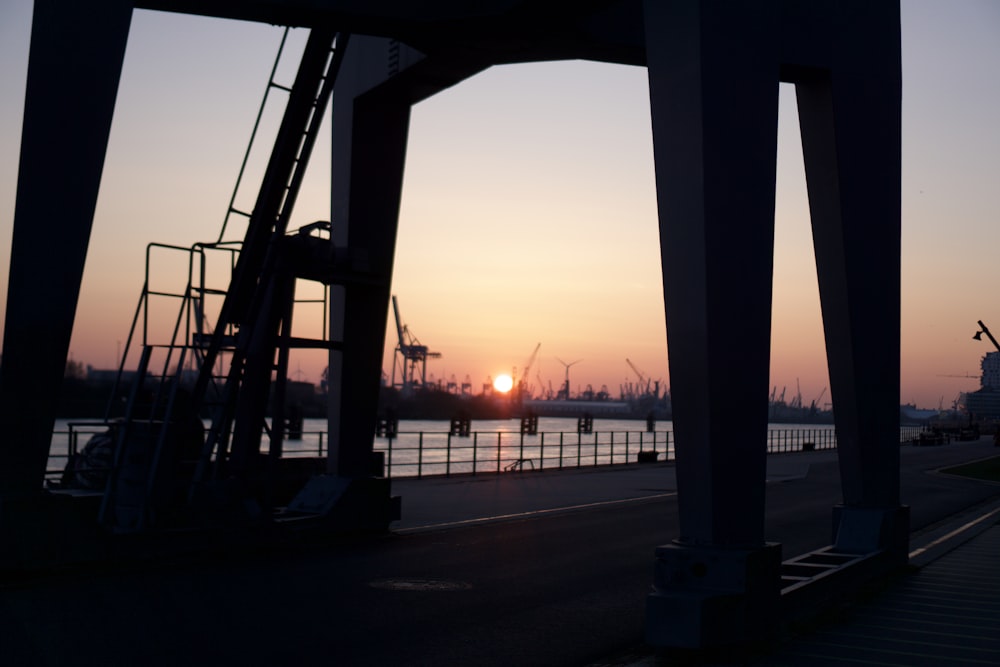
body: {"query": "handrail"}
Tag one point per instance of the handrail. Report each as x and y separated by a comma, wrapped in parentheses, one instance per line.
(253, 134)
(439, 453)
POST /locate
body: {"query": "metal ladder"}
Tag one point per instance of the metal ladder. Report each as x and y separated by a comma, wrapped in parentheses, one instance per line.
(253, 294)
(135, 482)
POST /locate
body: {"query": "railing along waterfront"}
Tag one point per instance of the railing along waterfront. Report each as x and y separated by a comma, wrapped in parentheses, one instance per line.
(441, 453)
(419, 454)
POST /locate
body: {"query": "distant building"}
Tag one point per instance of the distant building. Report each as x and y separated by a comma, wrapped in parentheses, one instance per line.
(991, 370)
(561, 408)
(108, 376)
(985, 403)
(912, 415)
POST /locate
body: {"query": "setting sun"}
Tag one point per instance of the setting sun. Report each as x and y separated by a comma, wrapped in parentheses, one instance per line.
(503, 383)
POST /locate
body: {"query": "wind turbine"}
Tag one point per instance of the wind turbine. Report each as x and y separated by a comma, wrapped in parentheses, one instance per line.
(565, 389)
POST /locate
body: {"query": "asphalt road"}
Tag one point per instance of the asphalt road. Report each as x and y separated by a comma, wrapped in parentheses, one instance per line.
(564, 588)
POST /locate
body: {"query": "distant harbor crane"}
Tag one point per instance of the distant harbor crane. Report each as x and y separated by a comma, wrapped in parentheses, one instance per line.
(797, 401)
(523, 388)
(814, 405)
(411, 352)
(542, 391)
(646, 384)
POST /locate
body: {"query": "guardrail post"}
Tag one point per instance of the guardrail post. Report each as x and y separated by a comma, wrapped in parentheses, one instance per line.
(560, 450)
(447, 458)
(388, 455)
(541, 452)
(499, 435)
(579, 445)
(595, 446)
(475, 442)
(612, 458)
(420, 456)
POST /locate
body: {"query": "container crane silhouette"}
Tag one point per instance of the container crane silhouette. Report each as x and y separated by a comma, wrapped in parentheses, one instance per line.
(411, 352)
(703, 59)
(523, 388)
(643, 380)
(646, 384)
(815, 404)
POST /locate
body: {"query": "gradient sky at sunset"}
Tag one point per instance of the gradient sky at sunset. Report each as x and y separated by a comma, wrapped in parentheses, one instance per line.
(529, 211)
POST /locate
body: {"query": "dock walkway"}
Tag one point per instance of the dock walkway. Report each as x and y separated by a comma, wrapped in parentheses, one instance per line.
(436, 503)
(946, 611)
(524, 568)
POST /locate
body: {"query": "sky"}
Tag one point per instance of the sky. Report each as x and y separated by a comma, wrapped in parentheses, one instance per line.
(529, 208)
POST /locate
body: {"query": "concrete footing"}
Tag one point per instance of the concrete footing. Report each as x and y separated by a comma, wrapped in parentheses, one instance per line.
(349, 504)
(712, 597)
(863, 530)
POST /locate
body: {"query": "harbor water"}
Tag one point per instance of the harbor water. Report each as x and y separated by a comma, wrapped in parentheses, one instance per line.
(428, 447)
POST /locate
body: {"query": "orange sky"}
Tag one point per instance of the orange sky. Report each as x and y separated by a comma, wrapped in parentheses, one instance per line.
(528, 209)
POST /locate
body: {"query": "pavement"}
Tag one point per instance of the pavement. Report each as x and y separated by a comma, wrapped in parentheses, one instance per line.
(448, 502)
(547, 568)
(945, 610)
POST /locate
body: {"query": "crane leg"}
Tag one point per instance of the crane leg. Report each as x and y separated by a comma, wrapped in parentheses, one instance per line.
(370, 126)
(719, 583)
(715, 177)
(74, 67)
(851, 129)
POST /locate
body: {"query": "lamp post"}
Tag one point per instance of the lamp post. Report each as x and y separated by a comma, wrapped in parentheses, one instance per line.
(984, 330)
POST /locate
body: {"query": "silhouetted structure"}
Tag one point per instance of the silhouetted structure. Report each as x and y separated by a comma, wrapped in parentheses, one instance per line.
(411, 354)
(714, 70)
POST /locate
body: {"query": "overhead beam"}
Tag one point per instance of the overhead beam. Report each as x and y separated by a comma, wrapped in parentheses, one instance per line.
(499, 31)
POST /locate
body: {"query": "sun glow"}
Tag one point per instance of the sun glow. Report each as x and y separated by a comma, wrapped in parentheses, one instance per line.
(503, 383)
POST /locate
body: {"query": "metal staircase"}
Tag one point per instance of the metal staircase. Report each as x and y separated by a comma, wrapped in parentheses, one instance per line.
(232, 367)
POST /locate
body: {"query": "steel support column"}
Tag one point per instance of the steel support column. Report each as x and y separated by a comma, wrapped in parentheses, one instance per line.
(713, 79)
(370, 129)
(75, 64)
(850, 119)
(713, 70)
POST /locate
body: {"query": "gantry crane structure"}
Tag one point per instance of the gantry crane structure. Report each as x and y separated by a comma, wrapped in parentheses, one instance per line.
(647, 386)
(522, 386)
(703, 59)
(167, 470)
(815, 405)
(411, 355)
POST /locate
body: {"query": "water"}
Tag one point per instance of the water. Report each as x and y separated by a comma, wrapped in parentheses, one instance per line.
(424, 447)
